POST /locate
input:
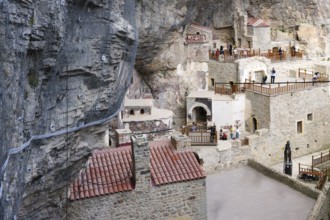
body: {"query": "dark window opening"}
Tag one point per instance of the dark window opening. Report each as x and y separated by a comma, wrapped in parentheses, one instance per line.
(310, 117)
(299, 127)
(212, 81)
(142, 111)
(131, 112)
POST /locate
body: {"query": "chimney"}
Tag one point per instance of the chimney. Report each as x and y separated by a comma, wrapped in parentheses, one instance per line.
(180, 142)
(141, 162)
(123, 137)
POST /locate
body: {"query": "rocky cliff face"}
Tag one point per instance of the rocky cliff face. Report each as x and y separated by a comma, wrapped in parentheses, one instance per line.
(64, 64)
(67, 63)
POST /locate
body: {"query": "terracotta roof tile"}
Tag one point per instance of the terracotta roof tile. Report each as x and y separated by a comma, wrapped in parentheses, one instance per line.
(199, 26)
(169, 166)
(257, 22)
(110, 171)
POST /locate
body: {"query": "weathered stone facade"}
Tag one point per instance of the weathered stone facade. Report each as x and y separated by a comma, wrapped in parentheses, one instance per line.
(156, 202)
(222, 72)
(292, 117)
(145, 201)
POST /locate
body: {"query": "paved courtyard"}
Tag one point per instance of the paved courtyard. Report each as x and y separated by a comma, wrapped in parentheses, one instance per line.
(246, 194)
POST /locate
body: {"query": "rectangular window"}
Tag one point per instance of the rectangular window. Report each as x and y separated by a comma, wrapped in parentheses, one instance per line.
(214, 45)
(299, 127)
(310, 117)
(212, 82)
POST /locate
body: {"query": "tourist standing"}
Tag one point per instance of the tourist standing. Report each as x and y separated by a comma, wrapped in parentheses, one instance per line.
(237, 132)
(231, 130)
(280, 52)
(221, 50)
(194, 127)
(272, 75)
(213, 130)
(230, 49)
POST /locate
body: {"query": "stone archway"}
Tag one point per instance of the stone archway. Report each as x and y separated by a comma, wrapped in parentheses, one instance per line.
(199, 112)
(199, 115)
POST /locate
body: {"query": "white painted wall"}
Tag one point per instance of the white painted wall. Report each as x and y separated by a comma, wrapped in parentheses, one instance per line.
(226, 112)
(222, 112)
(239, 110)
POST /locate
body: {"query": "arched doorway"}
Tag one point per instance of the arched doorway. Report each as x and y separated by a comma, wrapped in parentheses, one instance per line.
(199, 114)
(255, 125)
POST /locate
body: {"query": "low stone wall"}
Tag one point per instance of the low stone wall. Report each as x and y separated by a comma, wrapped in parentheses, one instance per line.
(321, 209)
(156, 202)
(287, 180)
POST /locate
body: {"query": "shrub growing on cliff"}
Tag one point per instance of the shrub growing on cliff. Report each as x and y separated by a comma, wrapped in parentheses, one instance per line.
(33, 78)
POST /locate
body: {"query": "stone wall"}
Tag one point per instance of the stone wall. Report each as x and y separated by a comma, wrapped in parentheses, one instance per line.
(321, 210)
(259, 109)
(280, 115)
(222, 72)
(138, 127)
(261, 38)
(198, 52)
(156, 202)
(287, 180)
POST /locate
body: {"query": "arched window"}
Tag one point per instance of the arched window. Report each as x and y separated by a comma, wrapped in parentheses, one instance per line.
(142, 111)
(255, 125)
(131, 112)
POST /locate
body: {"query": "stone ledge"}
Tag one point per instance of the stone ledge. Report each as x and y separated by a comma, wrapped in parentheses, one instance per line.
(287, 180)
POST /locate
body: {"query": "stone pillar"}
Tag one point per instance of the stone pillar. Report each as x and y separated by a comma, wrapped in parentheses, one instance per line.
(123, 137)
(180, 142)
(141, 162)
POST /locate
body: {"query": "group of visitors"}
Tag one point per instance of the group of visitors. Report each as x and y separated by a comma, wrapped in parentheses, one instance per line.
(272, 76)
(233, 131)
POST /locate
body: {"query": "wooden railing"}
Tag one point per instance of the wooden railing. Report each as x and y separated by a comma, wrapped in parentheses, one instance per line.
(309, 170)
(322, 180)
(227, 89)
(240, 53)
(324, 157)
(203, 138)
(306, 171)
(308, 75)
(296, 53)
(281, 88)
(275, 55)
(265, 89)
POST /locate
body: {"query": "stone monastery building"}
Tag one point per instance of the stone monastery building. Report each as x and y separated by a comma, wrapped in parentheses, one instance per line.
(162, 175)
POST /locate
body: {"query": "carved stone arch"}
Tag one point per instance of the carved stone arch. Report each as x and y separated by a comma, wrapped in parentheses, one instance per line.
(208, 111)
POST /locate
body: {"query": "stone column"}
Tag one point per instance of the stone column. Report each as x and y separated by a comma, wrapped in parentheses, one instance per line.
(141, 162)
(180, 142)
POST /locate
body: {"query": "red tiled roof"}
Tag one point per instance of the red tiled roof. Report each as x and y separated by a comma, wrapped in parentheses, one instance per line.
(108, 171)
(170, 166)
(257, 22)
(199, 26)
